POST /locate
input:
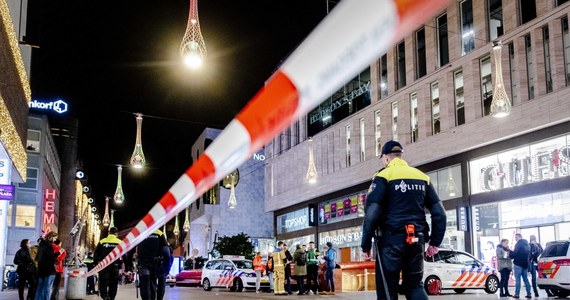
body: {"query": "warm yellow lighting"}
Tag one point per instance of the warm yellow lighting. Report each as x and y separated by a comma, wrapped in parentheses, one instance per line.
(193, 60)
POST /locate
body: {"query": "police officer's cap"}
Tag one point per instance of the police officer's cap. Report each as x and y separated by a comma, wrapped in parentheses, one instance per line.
(392, 147)
(113, 230)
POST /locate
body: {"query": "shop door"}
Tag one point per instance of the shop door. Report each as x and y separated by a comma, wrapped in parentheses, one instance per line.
(544, 234)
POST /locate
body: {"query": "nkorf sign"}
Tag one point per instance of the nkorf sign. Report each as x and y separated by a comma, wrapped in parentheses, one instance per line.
(59, 106)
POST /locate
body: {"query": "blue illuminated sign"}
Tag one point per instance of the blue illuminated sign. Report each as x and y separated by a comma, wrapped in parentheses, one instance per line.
(59, 106)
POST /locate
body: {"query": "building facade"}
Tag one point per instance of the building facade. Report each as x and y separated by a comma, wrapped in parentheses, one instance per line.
(432, 92)
(211, 215)
(14, 98)
(35, 209)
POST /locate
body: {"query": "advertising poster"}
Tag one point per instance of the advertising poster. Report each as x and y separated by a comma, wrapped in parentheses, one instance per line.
(333, 210)
(339, 209)
(354, 204)
(327, 211)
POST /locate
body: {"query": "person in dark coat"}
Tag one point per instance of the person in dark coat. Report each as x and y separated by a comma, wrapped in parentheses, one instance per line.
(520, 257)
(46, 266)
(26, 270)
(149, 265)
(287, 262)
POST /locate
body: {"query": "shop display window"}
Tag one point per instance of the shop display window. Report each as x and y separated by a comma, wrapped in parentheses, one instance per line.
(545, 216)
(293, 221)
(447, 182)
(539, 161)
(340, 209)
(347, 241)
(25, 216)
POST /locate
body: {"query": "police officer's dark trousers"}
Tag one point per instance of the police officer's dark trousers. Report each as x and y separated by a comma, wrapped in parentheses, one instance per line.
(148, 279)
(397, 255)
(108, 282)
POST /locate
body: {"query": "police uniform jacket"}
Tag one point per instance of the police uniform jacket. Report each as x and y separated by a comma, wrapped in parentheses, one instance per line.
(397, 197)
(105, 247)
(150, 249)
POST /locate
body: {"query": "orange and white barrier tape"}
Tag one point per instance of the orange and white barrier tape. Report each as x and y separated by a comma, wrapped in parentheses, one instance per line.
(353, 35)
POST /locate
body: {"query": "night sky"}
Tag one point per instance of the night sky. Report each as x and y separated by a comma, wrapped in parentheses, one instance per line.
(110, 59)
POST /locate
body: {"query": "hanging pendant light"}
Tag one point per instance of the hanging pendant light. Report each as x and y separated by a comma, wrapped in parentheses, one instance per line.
(232, 202)
(501, 104)
(176, 229)
(193, 48)
(119, 197)
(112, 218)
(186, 226)
(312, 171)
(106, 220)
(451, 188)
(137, 159)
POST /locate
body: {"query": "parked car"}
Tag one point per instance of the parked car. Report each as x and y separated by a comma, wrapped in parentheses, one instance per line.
(233, 272)
(554, 268)
(171, 280)
(192, 273)
(458, 271)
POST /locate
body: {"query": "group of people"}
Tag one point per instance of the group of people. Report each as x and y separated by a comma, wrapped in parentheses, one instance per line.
(306, 265)
(154, 259)
(40, 267)
(525, 259)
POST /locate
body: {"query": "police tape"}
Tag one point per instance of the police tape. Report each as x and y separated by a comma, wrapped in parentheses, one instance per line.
(352, 36)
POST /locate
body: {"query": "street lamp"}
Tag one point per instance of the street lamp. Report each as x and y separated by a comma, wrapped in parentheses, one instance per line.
(193, 48)
(137, 159)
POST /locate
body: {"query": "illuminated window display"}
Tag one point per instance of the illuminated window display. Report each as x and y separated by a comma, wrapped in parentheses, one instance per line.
(341, 209)
(540, 161)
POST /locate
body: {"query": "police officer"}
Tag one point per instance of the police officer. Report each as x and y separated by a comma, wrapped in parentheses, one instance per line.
(108, 277)
(149, 264)
(395, 206)
(88, 261)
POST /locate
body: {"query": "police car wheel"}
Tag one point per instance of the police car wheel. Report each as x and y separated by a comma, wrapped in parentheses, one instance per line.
(206, 285)
(430, 282)
(560, 293)
(238, 285)
(491, 284)
(459, 291)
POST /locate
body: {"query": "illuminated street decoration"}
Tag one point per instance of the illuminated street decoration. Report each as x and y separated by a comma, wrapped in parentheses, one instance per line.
(232, 202)
(500, 105)
(312, 171)
(106, 220)
(112, 224)
(119, 196)
(137, 159)
(193, 48)
(186, 226)
(176, 229)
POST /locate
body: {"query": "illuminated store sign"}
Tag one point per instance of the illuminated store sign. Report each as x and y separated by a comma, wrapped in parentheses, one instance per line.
(48, 220)
(348, 237)
(59, 106)
(297, 220)
(462, 219)
(6, 192)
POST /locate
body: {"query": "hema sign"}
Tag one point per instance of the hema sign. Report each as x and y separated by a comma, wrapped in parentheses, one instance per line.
(58, 106)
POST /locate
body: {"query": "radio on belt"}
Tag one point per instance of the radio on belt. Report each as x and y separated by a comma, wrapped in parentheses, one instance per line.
(411, 234)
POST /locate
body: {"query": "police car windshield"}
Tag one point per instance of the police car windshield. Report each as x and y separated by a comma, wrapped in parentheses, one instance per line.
(243, 264)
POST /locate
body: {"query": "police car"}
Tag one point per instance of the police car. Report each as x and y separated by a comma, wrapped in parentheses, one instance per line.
(233, 272)
(458, 271)
(554, 268)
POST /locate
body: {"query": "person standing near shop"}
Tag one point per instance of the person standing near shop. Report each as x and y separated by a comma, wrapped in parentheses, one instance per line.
(269, 270)
(505, 266)
(258, 268)
(58, 268)
(312, 269)
(535, 251)
(330, 264)
(520, 257)
(395, 206)
(108, 277)
(149, 263)
(46, 266)
(26, 270)
(300, 259)
(287, 262)
(279, 269)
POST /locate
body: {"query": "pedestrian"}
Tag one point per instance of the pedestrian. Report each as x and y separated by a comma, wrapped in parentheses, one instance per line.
(26, 270)
(279, 269)
(395, 206)
(88, 261)
(312, 269)
(520, 258)
(330, 264)
(149, 263)
(535, 251)
(269, 271)
(300, 259)
(46, 266)
(505, 266)
(108, 277)
(287, 261)
(58, 268)
(258, 268)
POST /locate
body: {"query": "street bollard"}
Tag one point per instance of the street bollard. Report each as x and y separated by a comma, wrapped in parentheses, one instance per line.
(76, 283)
